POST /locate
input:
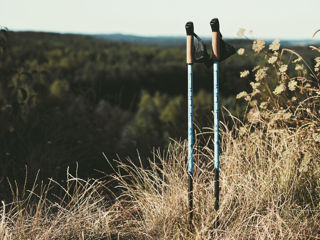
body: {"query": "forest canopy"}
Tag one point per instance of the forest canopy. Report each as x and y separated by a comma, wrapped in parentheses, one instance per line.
(65, 99)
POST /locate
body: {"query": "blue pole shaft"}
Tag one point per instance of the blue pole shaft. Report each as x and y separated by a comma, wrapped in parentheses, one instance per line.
(216, 130)
(216, 113)
(190, 118)
(190, 140)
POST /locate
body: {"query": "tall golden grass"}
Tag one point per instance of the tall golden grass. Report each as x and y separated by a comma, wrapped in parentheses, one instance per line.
(270, 178)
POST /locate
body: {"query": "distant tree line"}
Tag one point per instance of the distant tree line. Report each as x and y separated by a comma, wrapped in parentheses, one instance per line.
(68, 98)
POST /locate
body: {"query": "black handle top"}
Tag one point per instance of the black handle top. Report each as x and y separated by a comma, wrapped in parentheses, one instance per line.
(189, 28)
(214, 23)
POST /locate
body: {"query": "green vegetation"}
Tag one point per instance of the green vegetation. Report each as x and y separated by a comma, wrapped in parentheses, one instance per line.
(68, 98)
(65, 99)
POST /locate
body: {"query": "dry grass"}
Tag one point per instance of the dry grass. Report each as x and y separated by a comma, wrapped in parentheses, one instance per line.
(269, 190)
(81, 212)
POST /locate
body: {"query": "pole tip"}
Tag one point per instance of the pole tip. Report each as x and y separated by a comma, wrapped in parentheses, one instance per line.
(189, 28)
(215, 26)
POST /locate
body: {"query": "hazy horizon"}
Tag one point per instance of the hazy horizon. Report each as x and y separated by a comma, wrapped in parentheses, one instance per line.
(205, 37)
(269, 20)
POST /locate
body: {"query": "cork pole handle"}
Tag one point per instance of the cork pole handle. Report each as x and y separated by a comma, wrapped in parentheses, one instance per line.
(190, 33)
(214, 23)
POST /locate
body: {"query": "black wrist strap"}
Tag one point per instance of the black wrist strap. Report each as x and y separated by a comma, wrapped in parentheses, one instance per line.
(201, 54)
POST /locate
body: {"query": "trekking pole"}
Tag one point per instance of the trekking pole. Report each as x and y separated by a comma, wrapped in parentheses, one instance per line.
(190, 34)
(216, 52)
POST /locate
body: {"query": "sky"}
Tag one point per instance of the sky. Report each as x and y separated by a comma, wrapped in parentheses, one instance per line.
(268, 19)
